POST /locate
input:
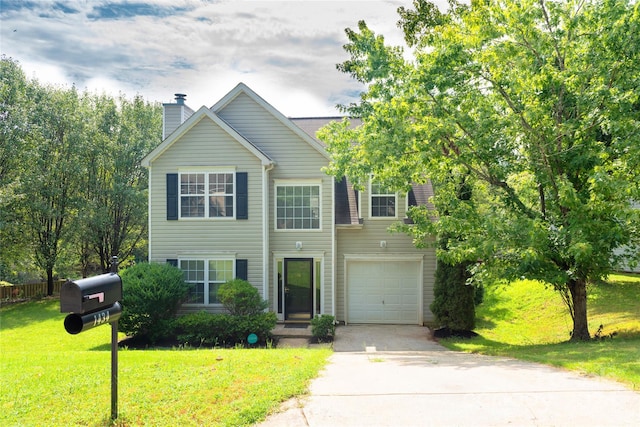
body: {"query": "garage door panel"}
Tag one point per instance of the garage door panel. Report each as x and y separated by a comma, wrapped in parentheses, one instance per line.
(383, 292)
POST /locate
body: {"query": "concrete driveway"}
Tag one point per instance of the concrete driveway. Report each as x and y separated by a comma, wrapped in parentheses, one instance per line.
(396, 376)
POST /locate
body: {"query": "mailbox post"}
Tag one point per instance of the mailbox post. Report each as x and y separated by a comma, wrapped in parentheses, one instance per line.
(92, 302)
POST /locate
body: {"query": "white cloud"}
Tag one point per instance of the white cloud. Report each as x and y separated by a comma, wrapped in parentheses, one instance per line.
(286, 51)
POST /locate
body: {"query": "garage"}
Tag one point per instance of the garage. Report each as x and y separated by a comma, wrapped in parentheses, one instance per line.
(384, 291)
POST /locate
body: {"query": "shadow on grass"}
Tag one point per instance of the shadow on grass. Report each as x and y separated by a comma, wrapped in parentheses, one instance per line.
(23, 314)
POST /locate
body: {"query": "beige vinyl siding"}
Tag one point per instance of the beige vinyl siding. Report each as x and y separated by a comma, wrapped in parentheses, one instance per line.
(204, 146)
(366, 241)
(295, 160)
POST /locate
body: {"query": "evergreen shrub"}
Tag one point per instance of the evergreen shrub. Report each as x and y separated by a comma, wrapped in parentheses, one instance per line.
(152, 294)
(454, 300)
(241, 298)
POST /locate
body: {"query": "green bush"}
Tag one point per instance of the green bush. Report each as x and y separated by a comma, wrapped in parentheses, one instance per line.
(323, 327)
(152, 294)
(241, 298)
(210, 329)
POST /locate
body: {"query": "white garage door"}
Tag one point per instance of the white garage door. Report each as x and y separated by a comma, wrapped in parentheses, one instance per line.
(383, 292)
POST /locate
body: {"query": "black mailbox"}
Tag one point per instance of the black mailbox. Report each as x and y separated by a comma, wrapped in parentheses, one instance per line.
(90, 294)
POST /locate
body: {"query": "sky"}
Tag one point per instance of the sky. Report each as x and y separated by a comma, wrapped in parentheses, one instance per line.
(286, 51)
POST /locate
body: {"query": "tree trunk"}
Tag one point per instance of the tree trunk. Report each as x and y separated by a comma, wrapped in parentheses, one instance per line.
(49, 281)
(578, 289)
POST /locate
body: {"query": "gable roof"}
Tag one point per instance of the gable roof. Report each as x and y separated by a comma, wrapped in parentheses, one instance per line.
(199, 115)
(241, 88)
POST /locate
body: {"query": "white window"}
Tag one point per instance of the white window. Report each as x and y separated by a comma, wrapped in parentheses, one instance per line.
(207, 195)
(383, 201)
(298, 207)
(205, 282)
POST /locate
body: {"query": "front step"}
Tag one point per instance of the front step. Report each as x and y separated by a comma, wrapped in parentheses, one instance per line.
(285, 330)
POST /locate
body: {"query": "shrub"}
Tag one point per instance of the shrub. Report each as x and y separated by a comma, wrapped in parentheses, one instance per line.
(152, 294)
(204, 328)
(323, 327)
(241, 298)
(453, 305)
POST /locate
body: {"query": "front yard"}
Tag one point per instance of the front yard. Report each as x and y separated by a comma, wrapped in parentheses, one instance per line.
(52, 378)
(527, 321)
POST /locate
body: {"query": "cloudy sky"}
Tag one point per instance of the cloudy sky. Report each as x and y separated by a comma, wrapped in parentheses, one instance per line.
(286, 51)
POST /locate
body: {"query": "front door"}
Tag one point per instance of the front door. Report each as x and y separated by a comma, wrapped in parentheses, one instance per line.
(298, 288)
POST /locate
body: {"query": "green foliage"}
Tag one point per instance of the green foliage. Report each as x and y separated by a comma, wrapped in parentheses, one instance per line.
(241, 298)
(152, 294)
(114, 221)
(215, 329)
(323, 327)
(453, 304)
(72, 190)
(535, 106)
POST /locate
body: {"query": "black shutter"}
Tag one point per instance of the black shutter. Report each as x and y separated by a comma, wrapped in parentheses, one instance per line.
(412, 198)
(242, 196)
(173, 262)
(172, 196)
(241, 269)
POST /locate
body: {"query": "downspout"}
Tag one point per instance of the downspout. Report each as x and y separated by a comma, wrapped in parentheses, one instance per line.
(265, 230)
(334, 255)
(149, 258)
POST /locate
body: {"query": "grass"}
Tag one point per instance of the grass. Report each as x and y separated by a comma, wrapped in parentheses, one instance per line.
(528, 321)
(52, 378)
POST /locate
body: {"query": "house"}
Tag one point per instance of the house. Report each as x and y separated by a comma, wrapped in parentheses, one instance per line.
(238, 190)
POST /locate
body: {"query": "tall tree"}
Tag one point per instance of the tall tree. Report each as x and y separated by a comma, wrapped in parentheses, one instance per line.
(14, 126)
(115, 184)
(49, 184)
(537, 103)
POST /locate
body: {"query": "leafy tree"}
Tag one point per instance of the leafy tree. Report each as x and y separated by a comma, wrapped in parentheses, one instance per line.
(14, 106)
(71, 184)
(537, 103)
(115, 183)
(49, 184)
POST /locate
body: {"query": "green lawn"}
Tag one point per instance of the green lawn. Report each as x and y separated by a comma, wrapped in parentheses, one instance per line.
(527, 321)
(52, 378)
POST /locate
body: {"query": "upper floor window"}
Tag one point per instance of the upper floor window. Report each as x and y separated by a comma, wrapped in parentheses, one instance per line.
(383, 201)
(206, 195)
(298, 207)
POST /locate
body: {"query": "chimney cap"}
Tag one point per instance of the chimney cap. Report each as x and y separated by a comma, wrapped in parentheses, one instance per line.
(180, 97)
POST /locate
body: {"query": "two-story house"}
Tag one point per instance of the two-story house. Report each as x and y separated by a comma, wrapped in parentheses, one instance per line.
(237, 190)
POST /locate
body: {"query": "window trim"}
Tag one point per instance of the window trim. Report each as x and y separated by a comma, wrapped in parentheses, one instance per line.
(206, 280)
(371, 196)
(296, 183)
(206, 172)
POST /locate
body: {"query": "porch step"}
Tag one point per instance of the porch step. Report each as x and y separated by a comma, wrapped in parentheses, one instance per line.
(289, 330)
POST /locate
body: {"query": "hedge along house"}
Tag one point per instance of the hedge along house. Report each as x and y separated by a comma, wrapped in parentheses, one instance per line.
(237, 190)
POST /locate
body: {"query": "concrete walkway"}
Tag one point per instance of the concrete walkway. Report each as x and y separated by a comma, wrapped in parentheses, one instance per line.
(396, 376)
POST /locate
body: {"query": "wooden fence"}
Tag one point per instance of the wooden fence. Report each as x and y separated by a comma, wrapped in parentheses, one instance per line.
(28, 291)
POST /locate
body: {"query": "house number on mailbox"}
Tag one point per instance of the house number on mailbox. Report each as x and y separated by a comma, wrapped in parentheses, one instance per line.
(100, 318)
